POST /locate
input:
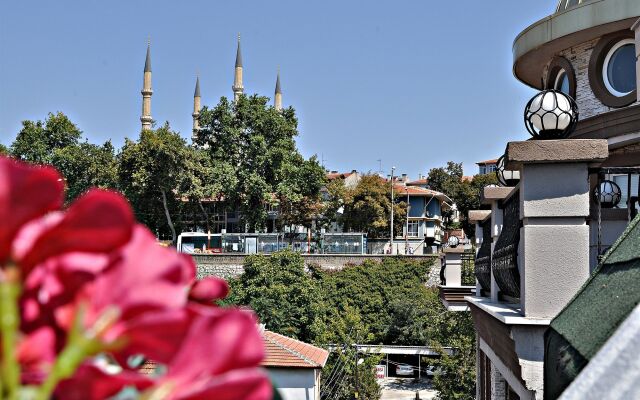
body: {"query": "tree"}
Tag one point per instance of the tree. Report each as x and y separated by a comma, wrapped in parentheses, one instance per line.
(367, 208)
(256, 143)
(37, 140)
(151, 171)
(3, 150)
(281, 292)
(86, 165)
(465, 194)
(457, 372)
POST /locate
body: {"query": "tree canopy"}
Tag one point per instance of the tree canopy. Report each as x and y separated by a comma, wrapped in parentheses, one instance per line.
(367, 208)
(37, 140)
(464, 193)
(373, 303)
(151, 171)
(256, 143)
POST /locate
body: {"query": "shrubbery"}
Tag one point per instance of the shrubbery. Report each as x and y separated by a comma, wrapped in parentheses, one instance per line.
(374, 303)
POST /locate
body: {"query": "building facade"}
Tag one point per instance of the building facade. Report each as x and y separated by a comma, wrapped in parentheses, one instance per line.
(544, 238)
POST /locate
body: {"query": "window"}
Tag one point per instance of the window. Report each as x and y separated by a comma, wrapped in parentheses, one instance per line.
(612, 69)
(562, 82)
(483, 170)
(619, 68)
(561, 76)
(412, 229)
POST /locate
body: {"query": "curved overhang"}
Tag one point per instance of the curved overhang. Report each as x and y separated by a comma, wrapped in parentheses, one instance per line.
(537, 44)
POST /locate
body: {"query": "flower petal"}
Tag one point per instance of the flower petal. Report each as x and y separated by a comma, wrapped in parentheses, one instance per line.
(209, 289)
(99, 221)
(26, 192)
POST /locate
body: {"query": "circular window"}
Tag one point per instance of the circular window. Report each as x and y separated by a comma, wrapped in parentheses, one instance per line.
(612, 70)
(619, 69)
(562, 82)
(561, 76)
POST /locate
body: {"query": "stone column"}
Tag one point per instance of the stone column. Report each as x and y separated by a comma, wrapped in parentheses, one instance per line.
(498, 385)
(453, 266)
(554, 207)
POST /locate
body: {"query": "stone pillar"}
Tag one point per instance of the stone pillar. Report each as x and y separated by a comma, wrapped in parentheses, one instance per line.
(554, 207)
(478, 216)
(453, 266)
(636, 29)
(498, 385)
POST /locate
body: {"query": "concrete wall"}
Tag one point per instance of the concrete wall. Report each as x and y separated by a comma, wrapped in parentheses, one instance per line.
(295, 383)
(231, 265)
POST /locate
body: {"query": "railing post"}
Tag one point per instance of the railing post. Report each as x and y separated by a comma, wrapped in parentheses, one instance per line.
(453, 266)
(554, 207)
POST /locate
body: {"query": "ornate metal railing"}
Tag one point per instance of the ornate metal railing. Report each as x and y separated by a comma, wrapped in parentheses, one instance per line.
(482, 266)
(504, 262)
(468, 265)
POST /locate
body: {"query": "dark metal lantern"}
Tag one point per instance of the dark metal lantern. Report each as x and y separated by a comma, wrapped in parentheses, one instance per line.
(506, 177)
(607, 193)
(551, 114)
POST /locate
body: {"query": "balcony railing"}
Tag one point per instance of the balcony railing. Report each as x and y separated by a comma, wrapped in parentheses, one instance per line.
(483, 258)
(468, 265)
(505, 253)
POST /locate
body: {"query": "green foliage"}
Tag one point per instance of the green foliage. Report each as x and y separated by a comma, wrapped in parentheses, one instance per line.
(4, 150)
(465, 194)
(151, 171)
(287, 299)
(457, 377)
(256, 144)
(86, 165)
(367, 208)
(374, 303)
(37, 140)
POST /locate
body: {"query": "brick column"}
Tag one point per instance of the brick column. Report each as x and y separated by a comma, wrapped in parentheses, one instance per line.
(554, 207)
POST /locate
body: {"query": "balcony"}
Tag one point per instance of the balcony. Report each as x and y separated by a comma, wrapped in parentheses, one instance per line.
(457, 278)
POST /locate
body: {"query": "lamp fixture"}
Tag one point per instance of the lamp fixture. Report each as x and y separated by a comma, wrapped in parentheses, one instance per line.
(506, 177)
(551, 114)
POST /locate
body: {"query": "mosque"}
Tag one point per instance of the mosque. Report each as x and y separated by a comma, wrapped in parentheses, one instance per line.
(238, 89)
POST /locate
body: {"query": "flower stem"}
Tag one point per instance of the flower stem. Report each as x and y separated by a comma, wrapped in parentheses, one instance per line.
(9, 321)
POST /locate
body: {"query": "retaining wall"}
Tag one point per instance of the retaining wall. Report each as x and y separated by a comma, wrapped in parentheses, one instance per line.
(231, 265)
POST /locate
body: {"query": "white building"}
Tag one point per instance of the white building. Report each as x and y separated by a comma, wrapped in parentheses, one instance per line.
(294, 366)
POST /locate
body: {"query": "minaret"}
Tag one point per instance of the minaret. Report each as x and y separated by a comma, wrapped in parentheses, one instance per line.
(277, 99)
(237, 87)
(196, 110)
(147, 92)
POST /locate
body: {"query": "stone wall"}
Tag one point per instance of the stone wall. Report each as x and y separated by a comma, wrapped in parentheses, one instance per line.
(579, 57)
(231, 265)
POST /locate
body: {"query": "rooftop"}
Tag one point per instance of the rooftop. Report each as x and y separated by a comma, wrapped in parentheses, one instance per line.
(285, 352)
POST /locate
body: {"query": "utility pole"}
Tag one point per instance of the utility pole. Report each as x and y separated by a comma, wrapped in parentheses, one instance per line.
(356, 393)
(406, 236)
(392, 201)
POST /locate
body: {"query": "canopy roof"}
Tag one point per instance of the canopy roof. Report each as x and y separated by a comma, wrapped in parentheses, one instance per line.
(594, 314)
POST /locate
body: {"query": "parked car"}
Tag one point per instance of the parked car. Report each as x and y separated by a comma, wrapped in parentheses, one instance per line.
(404, 370)
(432, 370)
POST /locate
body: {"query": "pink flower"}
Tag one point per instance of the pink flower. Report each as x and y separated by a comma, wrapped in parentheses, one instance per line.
(209, 289)
(90, 280)
(218, 358)
(26, 192)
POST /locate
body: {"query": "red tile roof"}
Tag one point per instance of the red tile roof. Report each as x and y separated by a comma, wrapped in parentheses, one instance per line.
(282, 351)
(335, 175)
(422, 181)
(414, 190)
(487, 162)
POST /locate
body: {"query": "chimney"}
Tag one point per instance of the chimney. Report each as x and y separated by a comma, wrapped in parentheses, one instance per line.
(404, 177)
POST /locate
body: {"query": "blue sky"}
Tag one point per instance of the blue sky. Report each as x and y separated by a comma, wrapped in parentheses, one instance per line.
(413, 83)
